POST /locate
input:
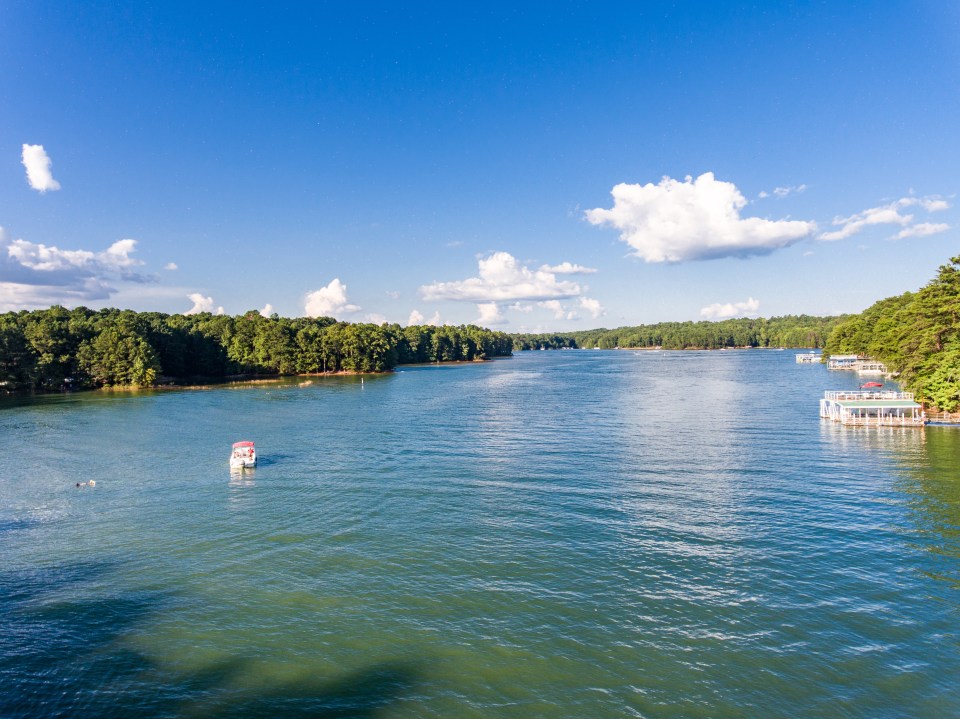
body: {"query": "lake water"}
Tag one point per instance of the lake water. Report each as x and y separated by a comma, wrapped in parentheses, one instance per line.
(560, 534)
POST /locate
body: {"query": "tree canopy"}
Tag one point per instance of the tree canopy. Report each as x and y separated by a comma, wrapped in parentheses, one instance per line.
(787, 331)
(82, 348)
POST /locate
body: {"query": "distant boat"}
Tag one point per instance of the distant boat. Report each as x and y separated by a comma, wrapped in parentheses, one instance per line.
(871, 384)
(243, 456)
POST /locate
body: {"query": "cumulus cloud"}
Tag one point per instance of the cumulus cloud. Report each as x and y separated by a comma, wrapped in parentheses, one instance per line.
(592, 306)
(202, 304)
(329, 301)
(415, 318)
(37, 275)
(171, 266)
(922, 229)
(568, 268)
(503, 279)
(267, 310)
(559, 311)
(676, 221)
(489, 314)
(890, 214)
(37, 162)
(720, 311)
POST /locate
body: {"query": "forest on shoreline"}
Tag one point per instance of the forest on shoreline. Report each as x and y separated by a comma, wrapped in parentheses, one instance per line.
(56, 348)
(916, 334)
(795, 331)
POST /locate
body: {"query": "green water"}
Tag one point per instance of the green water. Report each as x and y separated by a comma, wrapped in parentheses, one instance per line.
(561, 534)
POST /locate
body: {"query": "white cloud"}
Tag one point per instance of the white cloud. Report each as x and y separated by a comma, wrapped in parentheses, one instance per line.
(202, 304)
(503, 279)
(592, 306)
(489, 314)
(267, 310)
(35, 159)
(393, 294)
(781, 192)
(171, 266)
(719, 311)
(889, 215)
(375, 318)
(559, 311)
(922, 229)
(568, 268)
(416, 318)
(675, 221)
(520, 307)
(329, 301)
(36, 275)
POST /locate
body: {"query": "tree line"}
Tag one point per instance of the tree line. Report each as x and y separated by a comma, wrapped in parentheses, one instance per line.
(916, 334)
(55, 348)
(787, 331)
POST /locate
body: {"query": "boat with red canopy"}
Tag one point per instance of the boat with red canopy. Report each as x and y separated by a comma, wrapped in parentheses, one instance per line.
(243, 455)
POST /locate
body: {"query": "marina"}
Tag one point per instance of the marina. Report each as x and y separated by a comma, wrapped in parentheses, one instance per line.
(872, 408)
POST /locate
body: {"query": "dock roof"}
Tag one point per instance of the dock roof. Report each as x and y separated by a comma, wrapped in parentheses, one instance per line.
(869, 403)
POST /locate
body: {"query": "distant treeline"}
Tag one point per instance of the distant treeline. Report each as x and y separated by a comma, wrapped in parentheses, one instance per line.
(787, 331)
(916, 334)
(82, 348)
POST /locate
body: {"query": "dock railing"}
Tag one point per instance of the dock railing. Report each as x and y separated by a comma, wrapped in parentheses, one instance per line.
(858, 395)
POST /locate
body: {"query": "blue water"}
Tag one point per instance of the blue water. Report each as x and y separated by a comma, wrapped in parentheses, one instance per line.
(560, 534)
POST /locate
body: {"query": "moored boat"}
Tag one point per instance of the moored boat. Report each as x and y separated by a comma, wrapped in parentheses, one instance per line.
(243, 455)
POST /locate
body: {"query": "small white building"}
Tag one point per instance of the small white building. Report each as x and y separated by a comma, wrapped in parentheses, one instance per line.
(872, 409)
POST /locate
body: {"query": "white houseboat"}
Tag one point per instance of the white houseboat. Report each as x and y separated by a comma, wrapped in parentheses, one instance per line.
(866, 408)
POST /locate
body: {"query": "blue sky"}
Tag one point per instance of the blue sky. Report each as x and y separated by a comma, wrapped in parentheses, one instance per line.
(550, 166)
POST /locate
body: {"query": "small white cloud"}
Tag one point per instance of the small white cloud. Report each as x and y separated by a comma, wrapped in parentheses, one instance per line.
(415, 318)
(171, 266)
(200, 304)
(889, 215)
(329, 301)
(393, 294)
(455, 243)
(568, 268)
(375, 318)
(781, 192)
(489, 314)
(37, 162)
(267, 310)
(592, 306)
(922, 229)
(503, 279)
(675, 221)
(808, 253)
(719, 311)
(559, 311)
(520, 307)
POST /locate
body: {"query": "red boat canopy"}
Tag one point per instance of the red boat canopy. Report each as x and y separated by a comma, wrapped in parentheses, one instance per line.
(242, 444)
(871, 384)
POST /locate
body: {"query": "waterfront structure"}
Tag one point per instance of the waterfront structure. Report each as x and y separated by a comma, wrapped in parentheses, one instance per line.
(872, 409)
(846, 362)
(869, 366)
(807, 358)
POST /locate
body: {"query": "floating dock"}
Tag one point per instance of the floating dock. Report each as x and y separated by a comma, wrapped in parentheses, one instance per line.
(808, 357)
(872, 409)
